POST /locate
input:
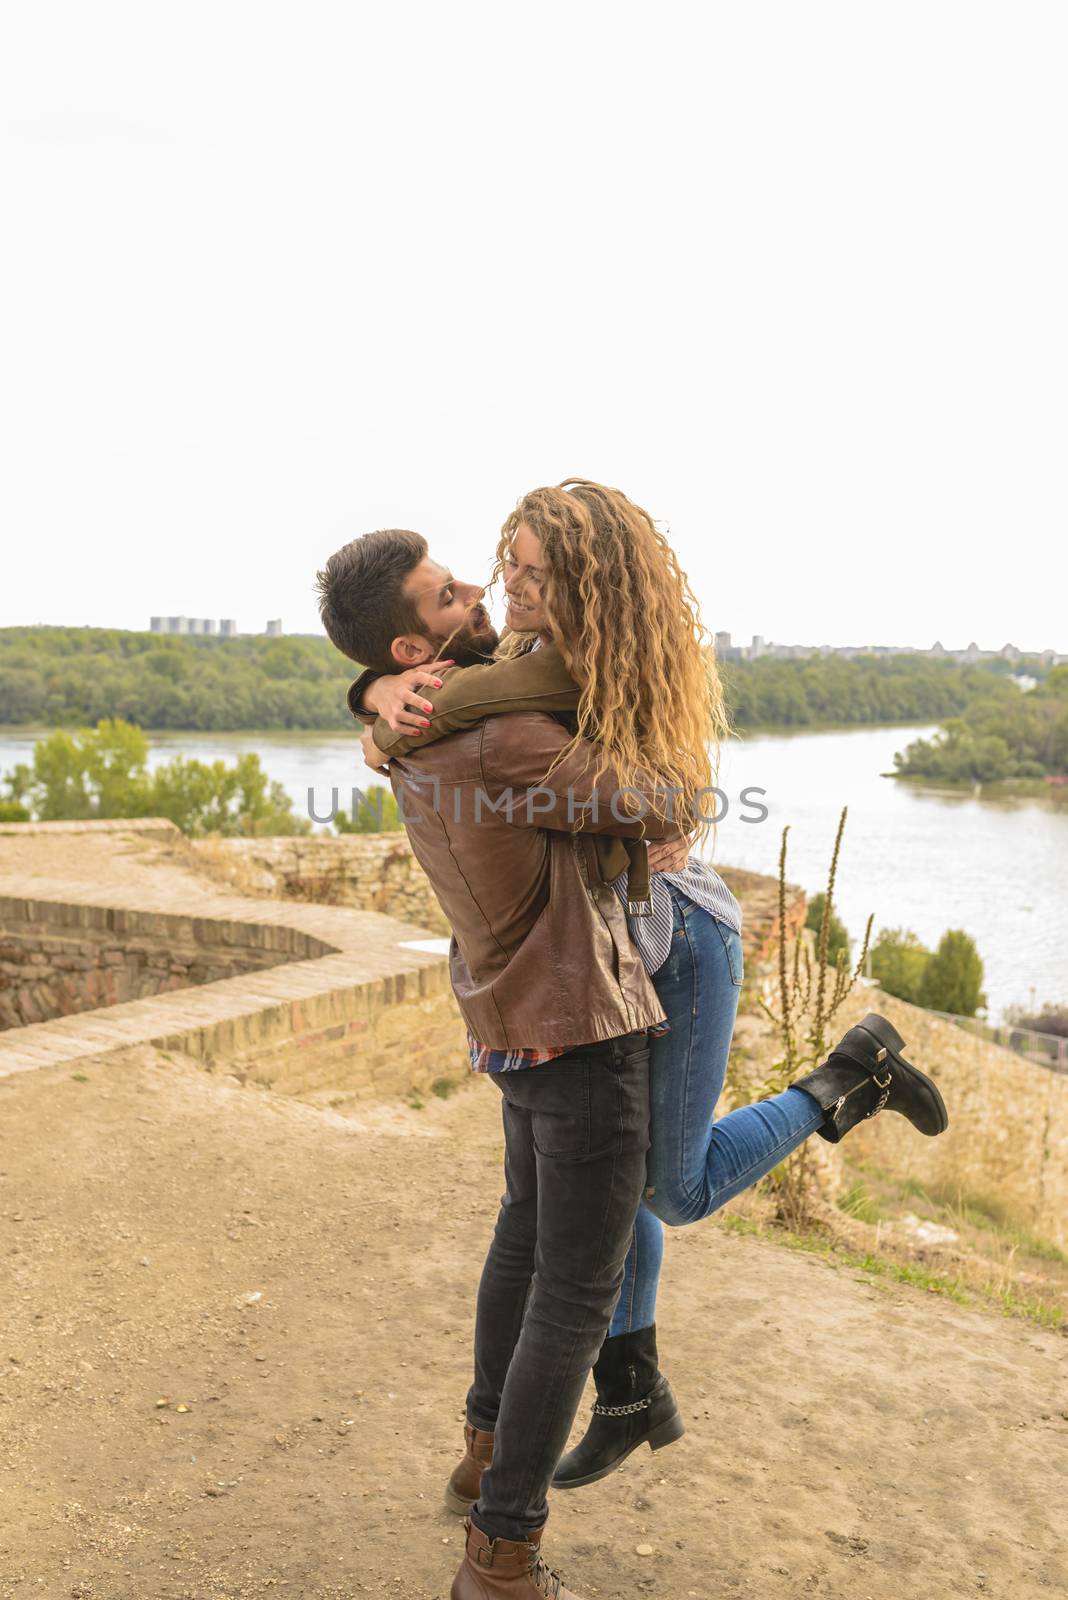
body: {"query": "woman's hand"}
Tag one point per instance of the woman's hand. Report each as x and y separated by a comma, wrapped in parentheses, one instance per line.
(669, 855)
(394, 697)
(372, 755)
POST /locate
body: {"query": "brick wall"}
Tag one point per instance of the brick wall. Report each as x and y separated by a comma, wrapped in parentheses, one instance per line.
(58, 960)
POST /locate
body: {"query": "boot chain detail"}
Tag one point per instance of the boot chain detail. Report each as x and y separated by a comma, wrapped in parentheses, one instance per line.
(622, 1411)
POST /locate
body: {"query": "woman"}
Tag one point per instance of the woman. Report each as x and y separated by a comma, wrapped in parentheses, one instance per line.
(588, 575)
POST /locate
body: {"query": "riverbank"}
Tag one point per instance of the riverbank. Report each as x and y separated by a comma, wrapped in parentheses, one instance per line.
(1053, 787)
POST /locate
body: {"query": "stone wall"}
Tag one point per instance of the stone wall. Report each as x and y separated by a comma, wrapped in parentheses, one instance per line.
(57, 960)
(1008, 1120)
(369, 872)
(378, 872)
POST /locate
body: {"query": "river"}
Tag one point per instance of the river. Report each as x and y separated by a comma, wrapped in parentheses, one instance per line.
(918, 858)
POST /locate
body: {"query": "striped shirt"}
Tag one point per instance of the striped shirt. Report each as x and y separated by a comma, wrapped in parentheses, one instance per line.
(699, 883)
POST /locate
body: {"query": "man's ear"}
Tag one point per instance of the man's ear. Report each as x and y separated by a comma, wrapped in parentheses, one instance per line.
(410, 650)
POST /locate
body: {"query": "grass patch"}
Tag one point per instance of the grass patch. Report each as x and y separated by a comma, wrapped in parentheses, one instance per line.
(989, 1214)
(949, 1203)
(443, 1087)
(858, 1201)
(79, 1077)
(1030, 1307)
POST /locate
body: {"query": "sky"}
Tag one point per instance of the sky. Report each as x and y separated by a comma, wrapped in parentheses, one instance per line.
(791, 276)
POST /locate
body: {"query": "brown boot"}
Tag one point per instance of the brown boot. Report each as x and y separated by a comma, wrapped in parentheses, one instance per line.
(462, 1491)
(503, 1569)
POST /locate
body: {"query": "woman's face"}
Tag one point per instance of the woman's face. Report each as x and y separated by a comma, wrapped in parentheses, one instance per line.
(524, 580)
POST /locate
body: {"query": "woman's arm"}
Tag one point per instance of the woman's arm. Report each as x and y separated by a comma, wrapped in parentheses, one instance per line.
(396, 697)
(537, 681)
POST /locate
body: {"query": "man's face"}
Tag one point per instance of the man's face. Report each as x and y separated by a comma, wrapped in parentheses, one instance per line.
(452, 614)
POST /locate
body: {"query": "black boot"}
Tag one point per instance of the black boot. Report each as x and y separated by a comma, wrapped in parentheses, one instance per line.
(635, 1406)
(866, 1073)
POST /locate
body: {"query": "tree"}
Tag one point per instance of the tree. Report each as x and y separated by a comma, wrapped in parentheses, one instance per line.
(103, 772)
(953, 976)
(898, 961)
(202, 797)
(376, 813)
(99, 772)
(837, 936)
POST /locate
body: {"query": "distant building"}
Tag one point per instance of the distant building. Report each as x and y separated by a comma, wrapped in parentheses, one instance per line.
(760, 647)
(274, 628)
(228, 628)
(205, 627)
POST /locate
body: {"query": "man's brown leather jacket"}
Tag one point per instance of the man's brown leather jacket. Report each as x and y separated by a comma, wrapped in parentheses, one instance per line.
(536, 681)
(541, 956)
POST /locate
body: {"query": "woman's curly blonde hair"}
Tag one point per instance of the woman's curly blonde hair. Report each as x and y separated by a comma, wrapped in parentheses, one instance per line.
(623, 615)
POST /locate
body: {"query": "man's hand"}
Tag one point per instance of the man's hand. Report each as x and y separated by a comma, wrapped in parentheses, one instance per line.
(372, 755)
(669, 855)
(394, 697)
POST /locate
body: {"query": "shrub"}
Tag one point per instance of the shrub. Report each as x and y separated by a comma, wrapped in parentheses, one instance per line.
(837, 936)
(103, 772)
(376, 812)
(952, 977)
(898, 960)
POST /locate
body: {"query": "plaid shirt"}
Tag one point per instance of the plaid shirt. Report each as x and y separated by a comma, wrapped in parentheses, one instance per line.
(485, 1059)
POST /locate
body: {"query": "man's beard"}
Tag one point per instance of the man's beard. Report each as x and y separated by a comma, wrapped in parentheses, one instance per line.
(472, 643)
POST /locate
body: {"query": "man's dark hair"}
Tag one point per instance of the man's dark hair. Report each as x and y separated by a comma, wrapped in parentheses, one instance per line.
(361, 595)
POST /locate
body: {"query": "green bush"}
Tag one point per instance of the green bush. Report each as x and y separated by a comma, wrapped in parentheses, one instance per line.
(898, 960)
(103, 772)
(950, 979)
(376, 812)
(953, 976)
(837, 936)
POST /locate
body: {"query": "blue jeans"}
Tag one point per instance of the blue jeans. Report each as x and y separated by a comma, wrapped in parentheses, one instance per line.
(696, 1164)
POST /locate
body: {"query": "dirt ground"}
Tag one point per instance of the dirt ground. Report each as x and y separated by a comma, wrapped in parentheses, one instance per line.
(303, 1283)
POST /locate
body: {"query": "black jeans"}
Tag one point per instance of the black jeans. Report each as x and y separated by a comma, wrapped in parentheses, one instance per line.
(576, 1131)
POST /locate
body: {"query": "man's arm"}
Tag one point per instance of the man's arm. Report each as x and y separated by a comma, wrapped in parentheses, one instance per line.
(356, 691)
(516, 753)
(537, 681)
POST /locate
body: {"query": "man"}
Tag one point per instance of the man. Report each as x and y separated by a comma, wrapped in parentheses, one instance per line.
(560, 1007)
